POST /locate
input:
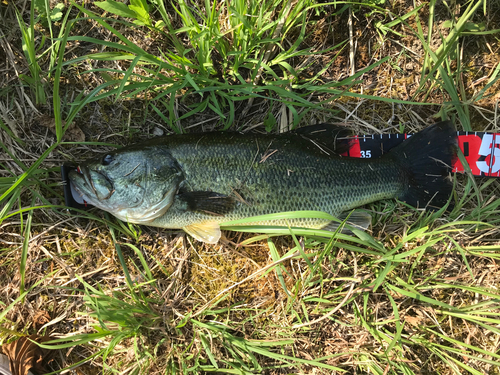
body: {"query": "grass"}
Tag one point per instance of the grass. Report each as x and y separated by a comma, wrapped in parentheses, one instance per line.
(417, 294)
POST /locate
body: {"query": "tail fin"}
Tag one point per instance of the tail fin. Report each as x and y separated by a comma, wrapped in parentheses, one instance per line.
(425, 160)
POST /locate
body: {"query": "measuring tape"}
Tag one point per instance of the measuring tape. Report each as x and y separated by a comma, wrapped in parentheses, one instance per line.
(481, 150)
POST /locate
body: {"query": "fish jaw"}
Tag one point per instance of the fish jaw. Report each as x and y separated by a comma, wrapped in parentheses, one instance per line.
(82, 184)
(96, 189)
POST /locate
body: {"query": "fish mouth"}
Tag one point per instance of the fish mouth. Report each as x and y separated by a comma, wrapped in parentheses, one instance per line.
(78, 182)
(82, 182)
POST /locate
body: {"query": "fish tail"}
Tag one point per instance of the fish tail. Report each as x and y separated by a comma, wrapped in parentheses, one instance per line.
(425, 161)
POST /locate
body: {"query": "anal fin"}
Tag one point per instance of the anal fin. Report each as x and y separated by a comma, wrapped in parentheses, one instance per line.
(208, 232)
(357, 219)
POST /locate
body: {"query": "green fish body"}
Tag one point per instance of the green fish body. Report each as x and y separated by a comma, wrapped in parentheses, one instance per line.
(198, 181)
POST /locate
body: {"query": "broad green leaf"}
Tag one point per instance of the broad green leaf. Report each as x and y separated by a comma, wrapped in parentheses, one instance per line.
(117, 8)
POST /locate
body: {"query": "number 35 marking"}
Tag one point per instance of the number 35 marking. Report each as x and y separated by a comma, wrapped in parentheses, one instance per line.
(486, 150)
(368, 154)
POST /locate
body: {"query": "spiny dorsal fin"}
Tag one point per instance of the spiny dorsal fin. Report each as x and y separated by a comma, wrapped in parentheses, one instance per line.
(208, 232)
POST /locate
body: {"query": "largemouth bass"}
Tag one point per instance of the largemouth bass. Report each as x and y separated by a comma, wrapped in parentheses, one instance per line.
(198, 181)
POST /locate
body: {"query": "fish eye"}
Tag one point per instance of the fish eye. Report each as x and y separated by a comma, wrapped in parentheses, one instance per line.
(106, 160)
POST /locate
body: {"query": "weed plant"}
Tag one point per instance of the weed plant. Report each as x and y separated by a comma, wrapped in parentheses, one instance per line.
(416, 294)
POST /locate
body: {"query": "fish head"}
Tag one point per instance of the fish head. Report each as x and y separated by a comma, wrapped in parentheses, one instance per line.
(136, 185)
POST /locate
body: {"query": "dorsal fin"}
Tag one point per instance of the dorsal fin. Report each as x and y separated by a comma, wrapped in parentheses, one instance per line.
(328, 136)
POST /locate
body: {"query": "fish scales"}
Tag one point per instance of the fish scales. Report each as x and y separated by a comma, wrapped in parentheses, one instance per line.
(275, 175)
(198, 181)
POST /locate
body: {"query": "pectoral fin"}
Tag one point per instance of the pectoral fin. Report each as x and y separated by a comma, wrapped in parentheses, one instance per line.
(208, 202)
(358, 219)
(208, 232)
